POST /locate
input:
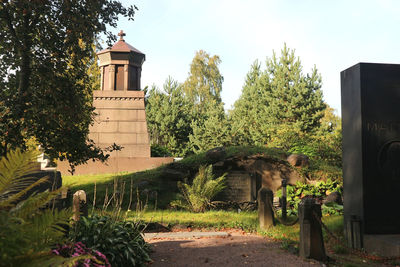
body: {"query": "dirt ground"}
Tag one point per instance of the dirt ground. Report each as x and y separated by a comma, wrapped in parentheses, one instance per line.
(238, 249)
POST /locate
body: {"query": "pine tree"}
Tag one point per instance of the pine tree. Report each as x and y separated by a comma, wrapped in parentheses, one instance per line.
(293, 98)
(211, 129)
(248, 119)
(279, 105)
(169, 117)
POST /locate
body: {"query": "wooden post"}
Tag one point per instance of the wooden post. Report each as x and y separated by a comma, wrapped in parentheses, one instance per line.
(265, 212)
(311, 240)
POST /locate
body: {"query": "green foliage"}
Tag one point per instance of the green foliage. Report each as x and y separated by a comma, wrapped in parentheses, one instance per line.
(205, 81)
(28, 229)
(189, 117)
(319, 190)
(211, 129)
(280, 106)
(203, 89)
(120, 241)
(159, 151)
(169, 115)
(197, 197)
(248, 118)
(45, 73)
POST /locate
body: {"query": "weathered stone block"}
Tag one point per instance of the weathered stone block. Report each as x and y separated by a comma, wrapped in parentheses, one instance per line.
(120, 138)
(265, 208)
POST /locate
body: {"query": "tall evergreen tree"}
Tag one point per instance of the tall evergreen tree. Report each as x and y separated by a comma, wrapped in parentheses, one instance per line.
(278, 105)
(211, 129)
(248, 119)
(293, 98)
(168, 117)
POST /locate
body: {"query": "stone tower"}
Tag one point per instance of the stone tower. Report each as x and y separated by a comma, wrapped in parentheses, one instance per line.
(120, 108)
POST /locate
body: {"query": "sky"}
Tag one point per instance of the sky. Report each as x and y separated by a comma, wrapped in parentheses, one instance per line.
(331, 35)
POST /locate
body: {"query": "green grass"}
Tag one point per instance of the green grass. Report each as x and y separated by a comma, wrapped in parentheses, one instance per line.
(209, 219)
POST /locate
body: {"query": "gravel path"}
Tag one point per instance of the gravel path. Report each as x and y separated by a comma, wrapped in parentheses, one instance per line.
(236, 249)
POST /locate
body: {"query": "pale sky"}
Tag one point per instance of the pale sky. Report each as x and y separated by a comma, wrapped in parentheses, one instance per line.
(330, 34)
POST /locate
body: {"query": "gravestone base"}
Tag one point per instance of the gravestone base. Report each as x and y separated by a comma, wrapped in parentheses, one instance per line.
(383, 245)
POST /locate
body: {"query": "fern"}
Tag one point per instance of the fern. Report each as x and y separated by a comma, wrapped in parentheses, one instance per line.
(205, 187)
(27, 229)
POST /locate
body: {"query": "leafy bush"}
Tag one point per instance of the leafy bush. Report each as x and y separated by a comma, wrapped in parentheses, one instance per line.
(319, 190)
(197, 197)
(93, 257)
(28, 230)
(120, 241)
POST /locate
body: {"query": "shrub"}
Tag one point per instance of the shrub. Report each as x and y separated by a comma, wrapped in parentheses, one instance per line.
(197, 197)
(120, 241)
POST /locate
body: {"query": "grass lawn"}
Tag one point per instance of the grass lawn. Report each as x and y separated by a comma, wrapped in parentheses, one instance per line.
(247, 221)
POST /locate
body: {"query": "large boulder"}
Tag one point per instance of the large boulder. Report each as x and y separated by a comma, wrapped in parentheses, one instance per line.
(298, 160)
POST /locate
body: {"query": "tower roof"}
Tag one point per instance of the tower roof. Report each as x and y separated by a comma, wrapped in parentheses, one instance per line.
(121, 46)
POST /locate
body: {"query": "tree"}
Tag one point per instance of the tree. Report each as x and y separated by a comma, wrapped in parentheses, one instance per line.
(248, 119)
(211, 129)
(205, 81)
(278, 106)
(45, 52)
(203, 89)
(189, 117)
(169, 114)
(293, 98)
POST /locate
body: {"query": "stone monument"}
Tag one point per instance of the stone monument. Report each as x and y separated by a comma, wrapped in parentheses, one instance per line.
(120, 114)
(371, 156)
(119, 103)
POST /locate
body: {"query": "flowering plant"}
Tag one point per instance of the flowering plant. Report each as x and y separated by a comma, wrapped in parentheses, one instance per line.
(95, 258)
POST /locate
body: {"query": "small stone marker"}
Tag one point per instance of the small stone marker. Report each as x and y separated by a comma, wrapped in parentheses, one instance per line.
(265, 212)
(79, 205)
(311, 240)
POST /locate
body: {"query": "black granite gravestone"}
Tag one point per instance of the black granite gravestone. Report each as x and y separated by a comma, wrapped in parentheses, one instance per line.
(371, 150)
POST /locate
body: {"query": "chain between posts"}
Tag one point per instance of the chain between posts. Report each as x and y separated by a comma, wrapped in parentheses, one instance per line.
(352, 250)
(282, 221)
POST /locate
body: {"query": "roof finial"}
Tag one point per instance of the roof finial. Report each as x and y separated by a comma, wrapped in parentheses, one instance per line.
(121, 35)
